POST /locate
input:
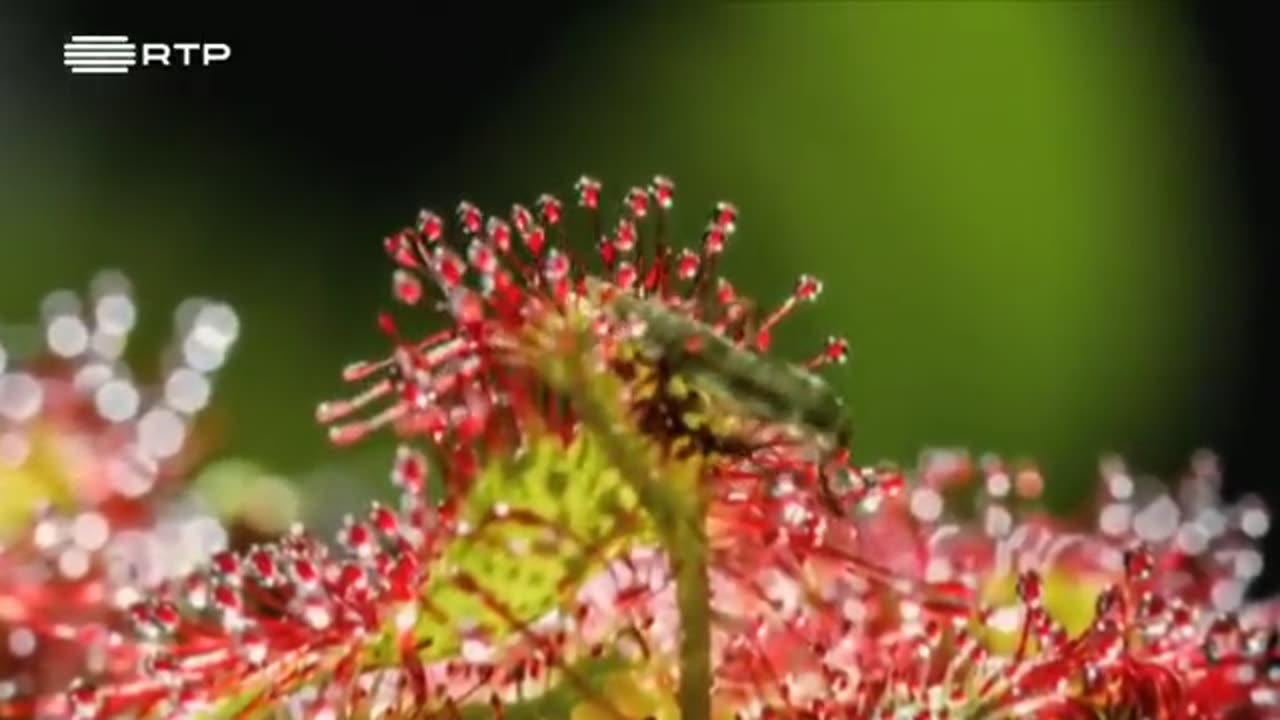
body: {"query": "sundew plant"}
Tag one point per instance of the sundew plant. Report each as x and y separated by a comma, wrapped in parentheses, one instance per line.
(616, 503)
(96, 510)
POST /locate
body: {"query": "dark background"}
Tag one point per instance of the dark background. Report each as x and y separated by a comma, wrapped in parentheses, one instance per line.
(1045, 229)
(1233, 49)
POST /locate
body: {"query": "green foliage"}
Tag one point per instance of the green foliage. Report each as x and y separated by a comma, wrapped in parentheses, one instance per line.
(540, 521)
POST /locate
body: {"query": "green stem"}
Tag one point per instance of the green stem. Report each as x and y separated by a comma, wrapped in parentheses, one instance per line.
(693, 593)
(675, 503)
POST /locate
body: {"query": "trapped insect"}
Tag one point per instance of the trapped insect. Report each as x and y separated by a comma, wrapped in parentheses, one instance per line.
(744, 384)
(760, 386)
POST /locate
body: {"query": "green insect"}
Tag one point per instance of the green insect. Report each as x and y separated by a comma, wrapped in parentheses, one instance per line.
(757, 386)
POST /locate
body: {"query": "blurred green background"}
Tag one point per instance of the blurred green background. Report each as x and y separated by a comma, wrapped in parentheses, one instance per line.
(1019, 210)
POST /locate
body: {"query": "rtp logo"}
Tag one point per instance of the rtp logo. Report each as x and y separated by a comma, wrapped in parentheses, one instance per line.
(115, 54)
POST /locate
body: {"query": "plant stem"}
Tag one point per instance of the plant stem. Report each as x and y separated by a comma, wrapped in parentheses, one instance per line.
(693, 593)
(675, 503)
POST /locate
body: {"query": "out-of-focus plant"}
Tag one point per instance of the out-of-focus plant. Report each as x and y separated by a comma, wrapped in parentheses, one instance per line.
(615, 503)
(94, 458)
